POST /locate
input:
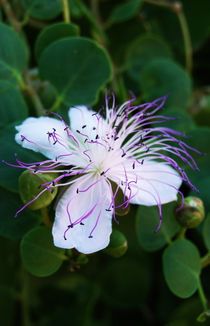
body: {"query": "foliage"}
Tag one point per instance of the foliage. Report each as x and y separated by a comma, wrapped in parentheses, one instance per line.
(57, 53)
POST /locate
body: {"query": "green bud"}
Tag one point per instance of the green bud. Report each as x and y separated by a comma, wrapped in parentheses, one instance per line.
(118, 244)
(204, 316)
(192, 213)
(29, 188)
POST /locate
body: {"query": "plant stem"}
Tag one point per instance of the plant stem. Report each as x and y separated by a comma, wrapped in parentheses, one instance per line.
(34, 96)
(205, 260)
(10, 15)
(202, 296)
(66, 12)
(186, 38)
(46, 216)
(182, 233)
(101, 38)
(178, 10)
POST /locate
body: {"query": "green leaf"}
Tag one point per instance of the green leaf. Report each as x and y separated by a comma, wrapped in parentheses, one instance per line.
(13, 106)
(181, 267)
(11, 227)
(40, 257)
(183, 122)
(206, 231)
(199, 139)
(124, 11)
(77, 67)
(53, 33)
(164, 77)
(147, 222)
(118, 244)
(142, 51)
(9, 175)
(13, 55)
(43, 9)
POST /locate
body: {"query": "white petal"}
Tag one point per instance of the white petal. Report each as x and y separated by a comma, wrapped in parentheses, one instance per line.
(37, 139)
(87, 121)
(78, 205)
(157, 183)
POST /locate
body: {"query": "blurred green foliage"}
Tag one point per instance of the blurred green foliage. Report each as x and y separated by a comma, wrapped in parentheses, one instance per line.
(57, 53)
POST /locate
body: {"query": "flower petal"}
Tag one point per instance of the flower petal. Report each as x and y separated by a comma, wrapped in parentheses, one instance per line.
(33, 134)
(151, 183)
(87, 121)
(88, 208)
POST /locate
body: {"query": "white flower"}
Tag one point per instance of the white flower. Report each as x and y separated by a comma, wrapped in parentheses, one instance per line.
(94, 151)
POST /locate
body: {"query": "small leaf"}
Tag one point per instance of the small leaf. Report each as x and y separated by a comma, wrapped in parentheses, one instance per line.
(53, 33)
(147, 222)
(43, 9)
(124, 11)
(11, 227)
(13, 106)
(181, 266)
(40, 257)
(162, 76)
(13, 55)
(77, 67)
(142, 51)
(206, 231)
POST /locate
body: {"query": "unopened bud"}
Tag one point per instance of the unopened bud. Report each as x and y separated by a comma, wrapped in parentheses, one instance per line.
(192, 213)
(30, 185)
(118, 244)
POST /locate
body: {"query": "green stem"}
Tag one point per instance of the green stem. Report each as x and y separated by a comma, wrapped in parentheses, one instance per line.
(66, 11)
(91, 19)
(182, 233)
(205, 260)
(178, 10)
(186, 38)
(10, 15)
(202, 295)
(34, 96)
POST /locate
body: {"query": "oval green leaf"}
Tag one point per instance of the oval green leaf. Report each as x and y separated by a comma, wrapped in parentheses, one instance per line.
(147, 222)
(53, 33)
(12, 63)
(142, 51)
(77, 67)
(124, 11)
(40, 257)
(40, 9)
(10, 226)
(9, 175)
(181, 267)
(13, 106)
(164, 77)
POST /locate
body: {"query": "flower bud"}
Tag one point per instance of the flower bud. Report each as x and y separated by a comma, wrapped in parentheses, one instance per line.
(192, 212)
(30, 187)
(118, 244)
